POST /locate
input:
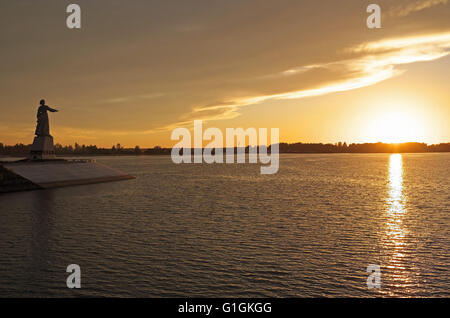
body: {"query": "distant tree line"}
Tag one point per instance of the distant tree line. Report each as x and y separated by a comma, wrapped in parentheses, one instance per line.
(363, 148)
(341, 147)
(77, 149)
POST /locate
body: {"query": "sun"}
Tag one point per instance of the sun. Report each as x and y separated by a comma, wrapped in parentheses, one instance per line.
(396, 127)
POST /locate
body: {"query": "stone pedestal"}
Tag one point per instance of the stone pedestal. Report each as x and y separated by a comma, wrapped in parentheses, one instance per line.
(42, 148)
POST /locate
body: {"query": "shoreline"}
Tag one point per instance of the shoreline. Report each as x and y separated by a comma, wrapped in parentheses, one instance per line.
(166, 154)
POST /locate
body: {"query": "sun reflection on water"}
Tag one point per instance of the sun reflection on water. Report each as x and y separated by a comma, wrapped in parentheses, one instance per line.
(396, 207)
(395, 230)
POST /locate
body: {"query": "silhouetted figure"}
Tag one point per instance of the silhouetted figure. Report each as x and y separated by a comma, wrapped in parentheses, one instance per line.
(43, 126)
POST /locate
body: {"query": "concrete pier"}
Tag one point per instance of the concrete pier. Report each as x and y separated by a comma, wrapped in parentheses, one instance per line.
(59, 173)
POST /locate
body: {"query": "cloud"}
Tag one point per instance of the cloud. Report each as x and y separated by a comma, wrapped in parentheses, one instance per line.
(123, 99)
(187, 28)
(402, 11)
(7, 131)
(377, 62)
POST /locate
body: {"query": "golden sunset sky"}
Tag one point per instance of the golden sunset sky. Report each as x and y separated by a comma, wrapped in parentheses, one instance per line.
(138, 69)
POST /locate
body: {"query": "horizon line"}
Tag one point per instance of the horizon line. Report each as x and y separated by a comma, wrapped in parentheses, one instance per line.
(2, 145)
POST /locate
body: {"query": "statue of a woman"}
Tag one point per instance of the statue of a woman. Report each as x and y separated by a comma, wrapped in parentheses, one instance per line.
(43, 127)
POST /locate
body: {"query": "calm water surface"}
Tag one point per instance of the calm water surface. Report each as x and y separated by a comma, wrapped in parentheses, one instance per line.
(225, 230)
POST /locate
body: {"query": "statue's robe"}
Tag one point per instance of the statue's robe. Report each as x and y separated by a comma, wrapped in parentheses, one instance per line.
(43, 126)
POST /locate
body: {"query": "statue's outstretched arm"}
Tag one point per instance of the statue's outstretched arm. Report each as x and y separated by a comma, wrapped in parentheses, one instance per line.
(51, 109)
